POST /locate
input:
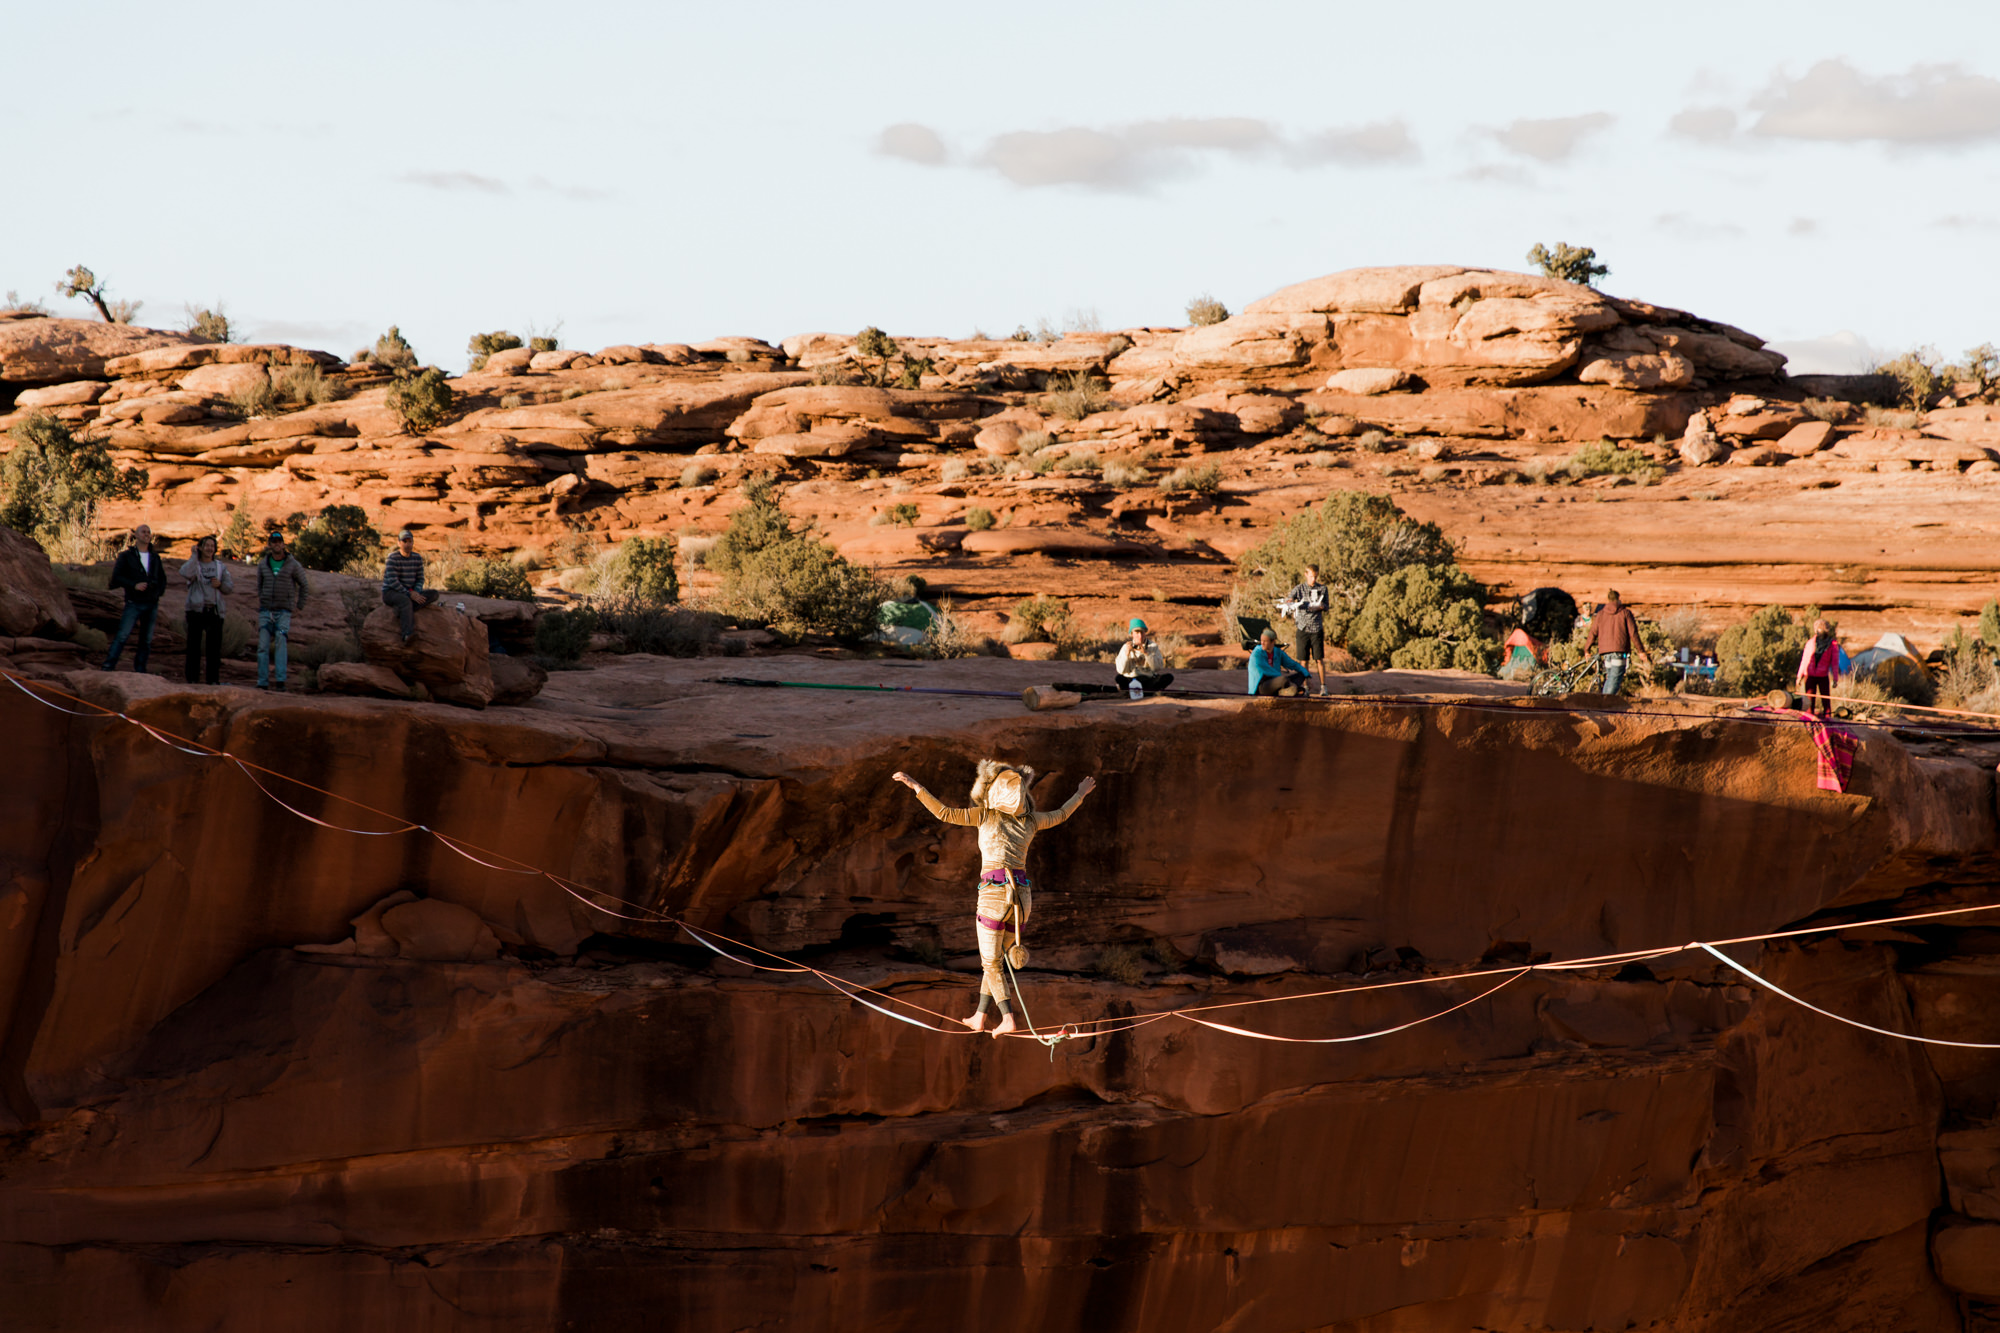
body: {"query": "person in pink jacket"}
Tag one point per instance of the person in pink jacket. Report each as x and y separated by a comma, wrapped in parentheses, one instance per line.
(1819, 665)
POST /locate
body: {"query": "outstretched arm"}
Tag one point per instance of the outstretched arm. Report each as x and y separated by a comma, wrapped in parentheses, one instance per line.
(1051, 818)
(968, 818)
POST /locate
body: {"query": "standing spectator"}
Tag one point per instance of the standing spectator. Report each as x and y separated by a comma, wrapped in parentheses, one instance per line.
(1614, 635)
(1307, 604)
(139, 572)
(281, 590)
(1140, 659)
(1819, 667)
(207, 581)
(403, 583)
(1272, 670)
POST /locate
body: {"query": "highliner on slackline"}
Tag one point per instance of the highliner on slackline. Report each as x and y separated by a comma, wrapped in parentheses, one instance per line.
(1003, 810)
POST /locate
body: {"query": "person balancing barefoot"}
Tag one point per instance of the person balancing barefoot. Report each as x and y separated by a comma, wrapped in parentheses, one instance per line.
(1003, 810)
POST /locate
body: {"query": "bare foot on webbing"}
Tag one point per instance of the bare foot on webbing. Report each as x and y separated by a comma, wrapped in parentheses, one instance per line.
(1005, 1026)
(977, 1022)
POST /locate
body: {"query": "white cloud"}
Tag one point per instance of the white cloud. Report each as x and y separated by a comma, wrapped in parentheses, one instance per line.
(305, 333)
(1843, 353)
(1497, 173)
(1552, 139)
(453, 181)
(1137, 156)
(1968, 222)
(1835, 102)
(1709, 124)
(1803, 227)
(912, 143)
(1362, 145)
(1694, 229)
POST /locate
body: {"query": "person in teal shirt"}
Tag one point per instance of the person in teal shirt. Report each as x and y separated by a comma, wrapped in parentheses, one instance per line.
(1272, 669)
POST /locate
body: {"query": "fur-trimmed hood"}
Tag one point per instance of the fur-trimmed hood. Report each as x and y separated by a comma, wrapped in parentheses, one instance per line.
(989, 769)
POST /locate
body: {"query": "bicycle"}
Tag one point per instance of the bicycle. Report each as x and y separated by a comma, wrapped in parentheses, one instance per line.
(1583, 677)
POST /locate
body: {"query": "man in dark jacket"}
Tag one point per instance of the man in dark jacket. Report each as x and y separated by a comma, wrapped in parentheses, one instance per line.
(139, 572)
(1614, 633)
(281, 590)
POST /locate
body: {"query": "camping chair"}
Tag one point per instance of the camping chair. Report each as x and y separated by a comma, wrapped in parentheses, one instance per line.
(1253, 628)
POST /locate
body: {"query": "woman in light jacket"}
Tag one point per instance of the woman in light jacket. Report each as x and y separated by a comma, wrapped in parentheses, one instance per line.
(1819, 667)
(207, 581)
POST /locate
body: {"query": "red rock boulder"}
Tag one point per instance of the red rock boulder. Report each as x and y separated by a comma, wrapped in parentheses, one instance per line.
(32, 601)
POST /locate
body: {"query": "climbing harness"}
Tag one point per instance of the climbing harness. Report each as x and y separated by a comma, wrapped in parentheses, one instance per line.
(881, 1001)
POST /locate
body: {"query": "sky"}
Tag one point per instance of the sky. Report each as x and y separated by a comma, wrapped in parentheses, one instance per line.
(1825, 175)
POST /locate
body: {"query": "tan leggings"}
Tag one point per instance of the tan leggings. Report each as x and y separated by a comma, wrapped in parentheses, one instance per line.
(993, 906)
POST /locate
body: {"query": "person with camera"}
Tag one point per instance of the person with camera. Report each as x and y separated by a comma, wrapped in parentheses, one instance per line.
(1140, 661)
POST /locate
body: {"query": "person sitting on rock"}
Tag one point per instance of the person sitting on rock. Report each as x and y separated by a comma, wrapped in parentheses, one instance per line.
(139, 572)
(1003, 810)
(403, 583)
(1140, 659)
(1273, 670)
(281, 590)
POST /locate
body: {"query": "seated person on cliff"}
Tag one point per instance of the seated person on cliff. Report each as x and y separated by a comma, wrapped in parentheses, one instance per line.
(1273, 670)
(1003, 810)
(403, 583)
(1140, 659)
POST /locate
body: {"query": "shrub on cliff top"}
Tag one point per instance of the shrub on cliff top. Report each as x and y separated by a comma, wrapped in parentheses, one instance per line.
(482, 345)
(790, 580)
(1355, 538)
(339, 536)
(1205, 309)
(641, 568)
(53, 481)
(1568, 263)
(203, 322)
(420, 399)
(392, 351)
(1423, 618)
(492, 578)
(1762, 653)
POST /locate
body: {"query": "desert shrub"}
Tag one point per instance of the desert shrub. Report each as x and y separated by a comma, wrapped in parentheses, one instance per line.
(511, 401)
(1917, 376)
(52, 480)
(203, 322)
(1205, 309)
(1203, 480)
(1978, 374)
(871, 344)
(15, 301)
(697, 474)
(1423, 617)
(654, 625)
(80, 281)
(758, 525)
(482, 345)
(302, 386)
(1076, 395)
(563, 637)
(1830, 410)
(802, 586)
(1762, 653)
(1966, 677)
(1604, 458)
(1355, 538)
(420, 399)
(1568, 263)
(903, 515)
(240, 539)
(1082, 460)
(492, 578)
(955, 470)
(1122, 474)
(257, 400)
(1374, 442)
(838, 372)
(337, 537)
(641, 569)
(1683, 627)
(1119, 963)
(1892, 418)
(573, 391)
(392, 351)
(979, 518)
(1032, 442)
(544, 342)
(1048, 620)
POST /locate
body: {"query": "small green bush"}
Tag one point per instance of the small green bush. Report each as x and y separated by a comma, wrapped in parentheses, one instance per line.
(1423, 617)
(53, 481)
(392, 351)
(1604, 458)
(543, 343)
(421, 399)
(979, 518)
(511, 401)
(1122, 474)
(904, 515)
(1205, 309)
(335, 539)
(563, 637)
(492, 578)
(801, 586)
(644, 625)
(1917, 373)
(1762, 653)
(482, 345)
(642, 568)
(1076, 395)
(1119, 963)
(1568, 263)
(1038, 620)
(302, 386)
(697, 474)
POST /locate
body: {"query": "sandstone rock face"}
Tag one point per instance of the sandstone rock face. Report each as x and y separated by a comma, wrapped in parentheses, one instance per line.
(209, 1124)
(562, 359)
(1699, 444)
(223, 381)
(512, 361)
(1374, 380)
(49, 351)
(447, 655)
(61, 395)
(363, 678)
(33, 602)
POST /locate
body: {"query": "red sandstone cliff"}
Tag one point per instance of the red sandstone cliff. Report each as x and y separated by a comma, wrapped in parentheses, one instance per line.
(211, 1129)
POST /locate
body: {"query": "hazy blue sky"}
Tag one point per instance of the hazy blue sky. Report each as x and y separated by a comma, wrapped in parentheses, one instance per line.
(655, 172)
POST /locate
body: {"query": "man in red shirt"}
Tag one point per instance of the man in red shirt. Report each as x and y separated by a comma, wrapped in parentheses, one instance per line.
(1614, 634)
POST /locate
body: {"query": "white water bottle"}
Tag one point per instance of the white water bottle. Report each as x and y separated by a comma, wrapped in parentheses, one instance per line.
(1137, 691)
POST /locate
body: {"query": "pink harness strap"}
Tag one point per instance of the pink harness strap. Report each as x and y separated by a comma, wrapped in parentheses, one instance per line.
(1005, 927)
